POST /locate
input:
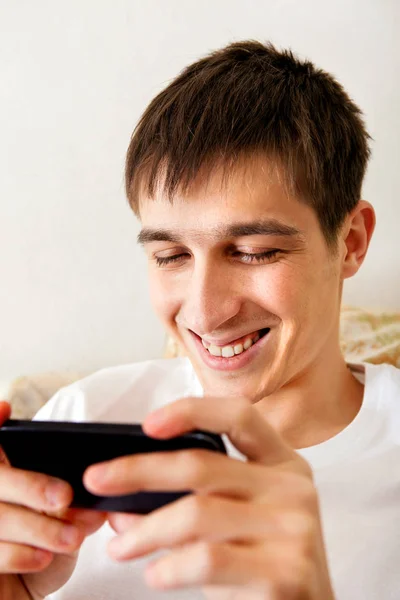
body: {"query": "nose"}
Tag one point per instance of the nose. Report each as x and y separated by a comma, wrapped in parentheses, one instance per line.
(213, 297)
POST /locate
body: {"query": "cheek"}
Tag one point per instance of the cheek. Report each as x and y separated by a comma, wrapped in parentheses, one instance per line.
(298, 295)
(283, 292)
(163, 299)
(311, 300)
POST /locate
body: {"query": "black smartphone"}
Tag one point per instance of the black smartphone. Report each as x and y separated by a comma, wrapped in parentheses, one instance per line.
(66, 449)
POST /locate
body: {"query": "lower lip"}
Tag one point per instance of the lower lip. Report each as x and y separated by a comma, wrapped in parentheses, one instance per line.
(219, 363)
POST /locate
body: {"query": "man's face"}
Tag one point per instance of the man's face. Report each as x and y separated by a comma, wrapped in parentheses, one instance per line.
(242, 277)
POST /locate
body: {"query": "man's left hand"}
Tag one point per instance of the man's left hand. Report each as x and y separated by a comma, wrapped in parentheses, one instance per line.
(249, 527)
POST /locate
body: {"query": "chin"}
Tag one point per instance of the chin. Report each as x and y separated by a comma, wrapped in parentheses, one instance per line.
(229, 386)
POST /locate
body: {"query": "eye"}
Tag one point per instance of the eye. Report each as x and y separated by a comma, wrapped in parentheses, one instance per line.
(257, 257)
(162, 261)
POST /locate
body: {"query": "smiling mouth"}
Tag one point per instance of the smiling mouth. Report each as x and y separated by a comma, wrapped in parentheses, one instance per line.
(238, 347)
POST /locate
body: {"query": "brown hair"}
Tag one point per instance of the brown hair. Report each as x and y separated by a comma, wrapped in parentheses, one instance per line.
(245, 98)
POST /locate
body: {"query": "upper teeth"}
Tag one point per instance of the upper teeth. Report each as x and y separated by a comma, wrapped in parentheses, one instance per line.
(229, 351)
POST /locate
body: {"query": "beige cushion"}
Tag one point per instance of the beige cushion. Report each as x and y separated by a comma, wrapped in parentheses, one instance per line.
(370, 335)
(28, 393)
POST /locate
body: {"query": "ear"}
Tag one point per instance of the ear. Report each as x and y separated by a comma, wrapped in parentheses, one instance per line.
(356, 236)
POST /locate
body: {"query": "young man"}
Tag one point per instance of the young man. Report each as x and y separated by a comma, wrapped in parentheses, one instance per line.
(246, 175)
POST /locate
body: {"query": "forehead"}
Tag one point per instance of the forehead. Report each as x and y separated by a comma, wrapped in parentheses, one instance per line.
(255, 190)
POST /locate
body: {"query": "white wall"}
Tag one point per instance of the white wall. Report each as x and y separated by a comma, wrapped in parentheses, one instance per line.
(75, 76)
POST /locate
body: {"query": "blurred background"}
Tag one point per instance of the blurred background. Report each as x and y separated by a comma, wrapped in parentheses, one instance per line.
(75, 77)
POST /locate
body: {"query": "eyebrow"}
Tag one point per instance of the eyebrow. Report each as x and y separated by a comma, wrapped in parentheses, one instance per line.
(268, 227)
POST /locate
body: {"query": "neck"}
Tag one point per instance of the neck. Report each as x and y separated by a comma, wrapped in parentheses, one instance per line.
(317, 405)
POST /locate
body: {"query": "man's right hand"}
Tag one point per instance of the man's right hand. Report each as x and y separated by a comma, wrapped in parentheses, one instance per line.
(39, 536)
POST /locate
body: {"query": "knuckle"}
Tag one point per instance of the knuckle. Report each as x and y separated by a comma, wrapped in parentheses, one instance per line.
(33, 486)
(308, 526)
(56, 535)
(195, 506)
(213, 559)
(194, 467)
(292, 581)
(304, 550)
(296, 523)
(51, 532)
(18, 559)
(12, 558)
(290, 480)
(16, 484)
(307, 495)
(302, 489)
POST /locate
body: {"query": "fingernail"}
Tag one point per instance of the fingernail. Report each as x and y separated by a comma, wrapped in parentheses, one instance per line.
(69, 534)
(56, 492)
(41, 556)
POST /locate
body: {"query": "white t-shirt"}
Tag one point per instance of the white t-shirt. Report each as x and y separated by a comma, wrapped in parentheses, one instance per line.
(357, 474)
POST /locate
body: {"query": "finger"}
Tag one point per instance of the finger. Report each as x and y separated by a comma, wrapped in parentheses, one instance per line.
(87, 520)
(183, 470)
(120, 522)
(210, 519)
(23, 526)
(247, 429)
(265, 568)
(15, 558)
(34, 490)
